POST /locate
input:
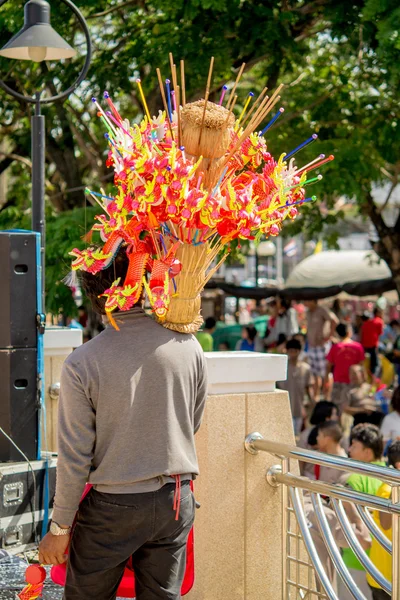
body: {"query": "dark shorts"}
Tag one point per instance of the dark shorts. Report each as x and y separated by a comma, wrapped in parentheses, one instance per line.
(113, 528)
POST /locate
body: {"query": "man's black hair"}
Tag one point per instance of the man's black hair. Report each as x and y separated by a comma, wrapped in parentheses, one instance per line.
(396, 400)
(322, 412)
(210, 323)
(342, 329)
(394, 453)
(331, 429)
(252, 332)
(369, 436)
(293, 345)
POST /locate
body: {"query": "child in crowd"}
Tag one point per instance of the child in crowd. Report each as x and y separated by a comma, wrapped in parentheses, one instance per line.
(378, 555)
(341, 357)
(323, 411)
(298, 384)
(250, 341)
(366, 445)
(390, 427)
(328, 440)
(204, 336)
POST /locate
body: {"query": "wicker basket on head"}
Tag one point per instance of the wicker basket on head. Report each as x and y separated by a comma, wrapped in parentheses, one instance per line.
(210, 141)
(184, 310)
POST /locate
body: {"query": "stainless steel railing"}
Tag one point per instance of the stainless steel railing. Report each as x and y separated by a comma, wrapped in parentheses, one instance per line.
(292, 499)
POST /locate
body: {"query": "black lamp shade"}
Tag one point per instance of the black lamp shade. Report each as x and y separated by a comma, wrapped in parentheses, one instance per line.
(37, 40)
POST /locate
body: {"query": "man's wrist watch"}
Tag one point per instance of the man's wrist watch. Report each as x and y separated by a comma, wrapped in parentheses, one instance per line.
(55, 529)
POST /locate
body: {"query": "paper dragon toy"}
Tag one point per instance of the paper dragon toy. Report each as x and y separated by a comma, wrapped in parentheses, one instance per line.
(35, 576)
(187, 184)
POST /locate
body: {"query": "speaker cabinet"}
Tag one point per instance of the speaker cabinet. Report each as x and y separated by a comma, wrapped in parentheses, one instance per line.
(18, 403)
(18, 306)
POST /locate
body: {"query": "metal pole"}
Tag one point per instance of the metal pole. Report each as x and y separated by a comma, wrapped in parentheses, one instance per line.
(38, 175)
(257, 261)
(279, 259)
(395, 544)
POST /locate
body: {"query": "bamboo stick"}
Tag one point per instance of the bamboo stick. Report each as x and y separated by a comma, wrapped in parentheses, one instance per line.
(160, 83)
(266, 109)
(206, 97)
(178, 109)
(260, 97)
(183, 84)
(267, 105)
(235, 86)
(171, 62)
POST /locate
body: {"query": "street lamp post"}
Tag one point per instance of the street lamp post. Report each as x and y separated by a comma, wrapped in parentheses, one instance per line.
(38, 41)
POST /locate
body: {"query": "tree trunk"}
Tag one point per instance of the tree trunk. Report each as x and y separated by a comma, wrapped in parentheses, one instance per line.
(388, 246)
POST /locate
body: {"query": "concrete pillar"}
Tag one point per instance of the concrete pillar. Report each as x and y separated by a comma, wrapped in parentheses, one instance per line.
(238, 529)
(58, 343)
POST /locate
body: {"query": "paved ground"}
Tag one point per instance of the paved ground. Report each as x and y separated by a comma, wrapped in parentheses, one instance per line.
(12, 569)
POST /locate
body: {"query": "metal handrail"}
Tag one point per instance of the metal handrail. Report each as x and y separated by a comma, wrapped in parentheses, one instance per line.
(334, 491)
(255, 442)
(292, 484)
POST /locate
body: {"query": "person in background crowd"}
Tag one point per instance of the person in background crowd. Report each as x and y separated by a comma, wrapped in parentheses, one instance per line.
(223, 347)
(357, 326)
(83, 316)
(204, 336)
(378, 555)
(360, 402)
(328, 440)
(323, 411)
(394, 356)
(250, 340)
(391, 332)
(390, 427)
(285, 323)
(297, 384)
(321, 325)
(272, 309)
(301, 337)
(366, 445)
(341, 357)
(371, 331)
(337, 309)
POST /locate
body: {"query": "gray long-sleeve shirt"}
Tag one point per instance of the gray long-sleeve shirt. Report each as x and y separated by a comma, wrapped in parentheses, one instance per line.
(130, 404)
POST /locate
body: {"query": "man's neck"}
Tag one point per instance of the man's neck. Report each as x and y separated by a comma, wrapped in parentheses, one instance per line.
(293, 361)
(334, 448)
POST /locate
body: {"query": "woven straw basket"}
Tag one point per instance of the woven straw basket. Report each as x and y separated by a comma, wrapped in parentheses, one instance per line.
(211, 142)
(184, 310)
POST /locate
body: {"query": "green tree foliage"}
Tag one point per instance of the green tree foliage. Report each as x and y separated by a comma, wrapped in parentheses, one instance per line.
(340, 62)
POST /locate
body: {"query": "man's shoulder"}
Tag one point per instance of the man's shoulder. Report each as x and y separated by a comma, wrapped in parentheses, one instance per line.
(80, 354)
(324, 312)
(305, 367)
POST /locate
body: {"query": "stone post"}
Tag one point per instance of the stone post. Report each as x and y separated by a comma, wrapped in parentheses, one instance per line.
(238, 529)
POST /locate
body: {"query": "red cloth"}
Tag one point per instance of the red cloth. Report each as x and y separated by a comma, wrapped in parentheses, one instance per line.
(342, 356)
(371, 331)
(126, 588)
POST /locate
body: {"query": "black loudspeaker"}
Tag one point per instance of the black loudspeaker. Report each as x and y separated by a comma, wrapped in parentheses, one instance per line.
(18, 403)
(18, 290)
